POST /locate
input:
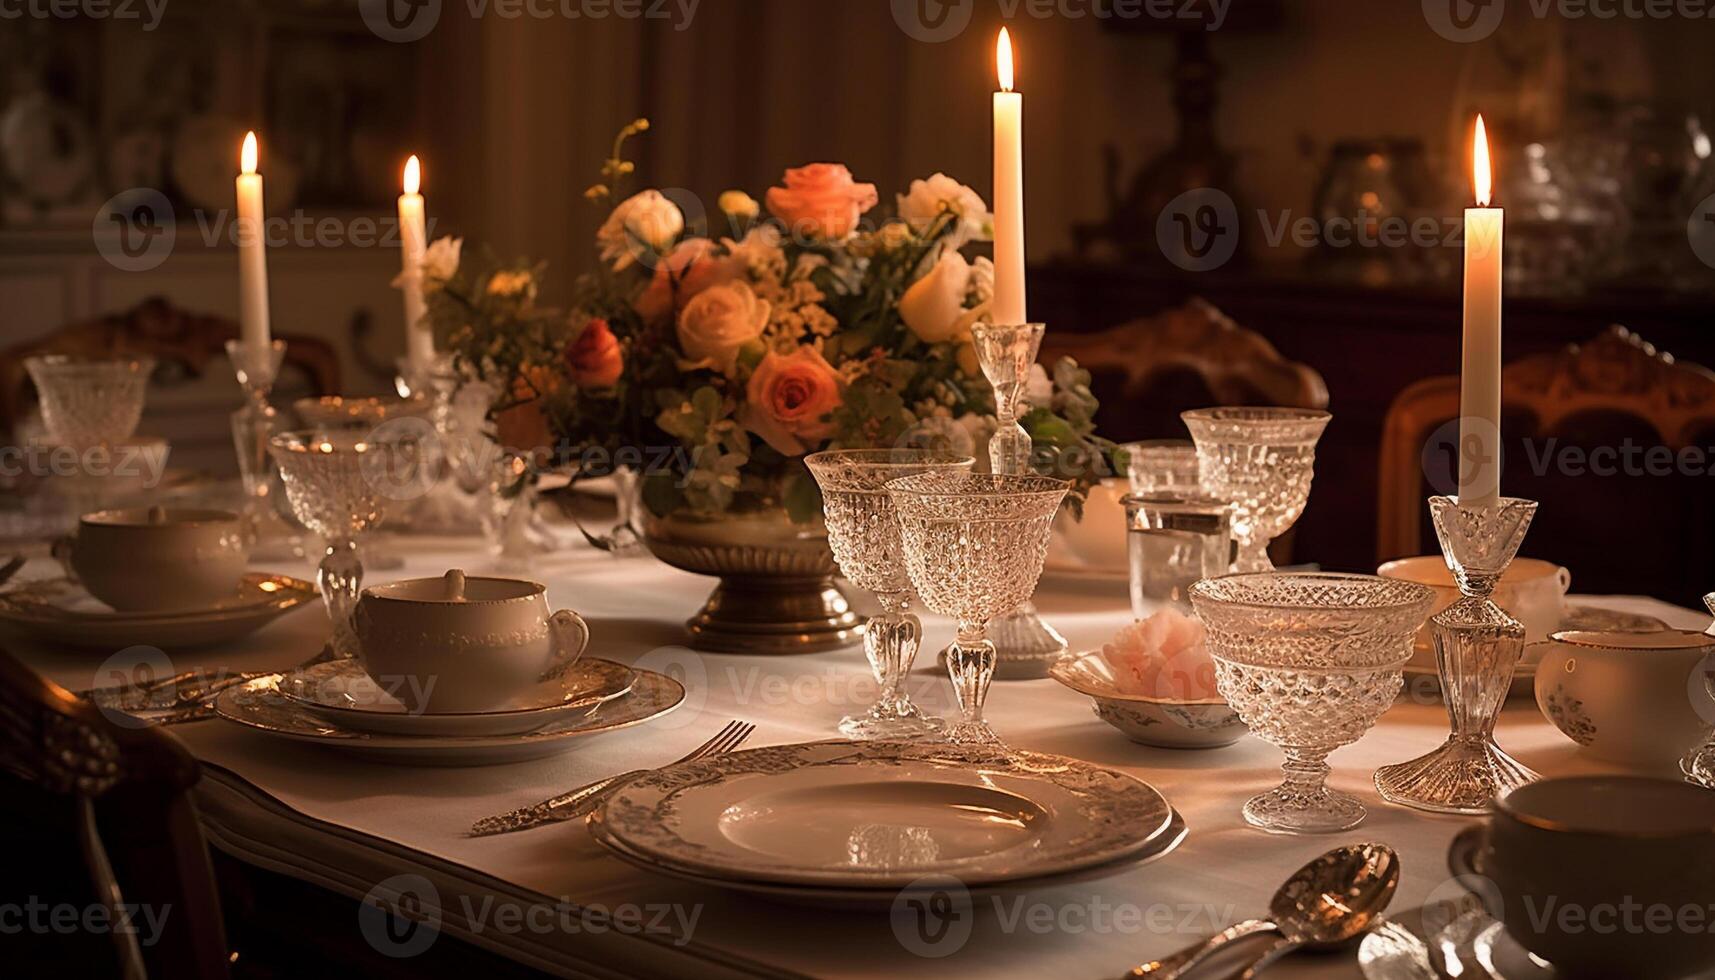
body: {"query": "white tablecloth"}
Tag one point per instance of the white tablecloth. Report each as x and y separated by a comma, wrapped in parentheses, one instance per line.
(351, 825)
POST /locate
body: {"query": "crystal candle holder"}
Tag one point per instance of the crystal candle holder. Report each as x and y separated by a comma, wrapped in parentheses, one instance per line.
(1261, 461)
(445, 508)
(1025, 646)
(253, 424)
(1477, 648)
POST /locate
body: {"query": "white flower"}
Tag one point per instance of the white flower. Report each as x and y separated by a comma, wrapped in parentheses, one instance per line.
(982, 281)
(929, 199)
(646, 221)
(720, 320)
(1038, 388)
(441, 261)
(934, 305)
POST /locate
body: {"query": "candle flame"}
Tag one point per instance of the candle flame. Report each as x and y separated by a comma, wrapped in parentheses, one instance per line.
(1480, 169)
(1003, 59)
(413, 175)
(247, 157)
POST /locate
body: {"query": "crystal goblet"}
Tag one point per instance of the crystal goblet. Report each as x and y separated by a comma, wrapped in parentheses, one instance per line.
(863, 531)
(1309, 661)
(1699, 766)
(338, 484)
(974, 547)
(88, 402)
(1260, 460)
(1163, 466)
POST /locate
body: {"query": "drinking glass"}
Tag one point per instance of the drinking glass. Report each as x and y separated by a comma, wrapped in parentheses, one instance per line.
(88, 402)
(338, 484)
(863, 531)
(1309, 661)
(1260, 460)
(974, 547)
(1172, 542)
(1163, 466)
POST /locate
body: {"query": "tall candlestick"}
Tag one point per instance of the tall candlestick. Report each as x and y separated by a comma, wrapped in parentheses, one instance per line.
(1009, 306)
(252, 251)
(413, 243)
(1480, 373)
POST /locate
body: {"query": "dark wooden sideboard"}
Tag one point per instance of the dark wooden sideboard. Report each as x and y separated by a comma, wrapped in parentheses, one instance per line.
(1369, 344)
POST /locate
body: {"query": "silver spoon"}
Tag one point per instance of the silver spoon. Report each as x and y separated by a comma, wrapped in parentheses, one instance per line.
(1337, 895)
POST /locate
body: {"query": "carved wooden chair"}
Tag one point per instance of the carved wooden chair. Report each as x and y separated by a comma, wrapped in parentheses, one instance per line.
(97, 816)
(184, 343)
(1569, 417)
(1147, 371)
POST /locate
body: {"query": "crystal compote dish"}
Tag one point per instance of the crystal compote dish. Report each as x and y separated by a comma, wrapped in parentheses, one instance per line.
(1477, 648)
(89, 402)
(1260, 460)
(974, 547)
(1309, 661)
(338, 484)
(863, 531)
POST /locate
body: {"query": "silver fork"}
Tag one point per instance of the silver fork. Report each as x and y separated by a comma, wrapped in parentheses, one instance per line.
(582, 801)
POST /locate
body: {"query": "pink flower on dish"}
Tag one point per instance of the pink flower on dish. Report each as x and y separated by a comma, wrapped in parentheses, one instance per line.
(821, 200)
(1164, 656)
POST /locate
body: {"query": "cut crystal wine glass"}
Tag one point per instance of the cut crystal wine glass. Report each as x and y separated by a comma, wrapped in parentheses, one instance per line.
(863, 531)
(1260, 460)
(1477, 648)
(974, 547)
(88, 402)
(338, 485)
(1309, 661)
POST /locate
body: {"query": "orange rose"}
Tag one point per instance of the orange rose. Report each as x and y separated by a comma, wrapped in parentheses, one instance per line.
(595, 360)
(688, 270)
(523, 426)
(821, 199)
(789, 398)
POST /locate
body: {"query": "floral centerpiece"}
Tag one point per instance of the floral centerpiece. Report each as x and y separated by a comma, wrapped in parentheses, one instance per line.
(743, 341)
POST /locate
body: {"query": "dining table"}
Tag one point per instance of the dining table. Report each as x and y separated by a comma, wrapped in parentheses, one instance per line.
(396, 836)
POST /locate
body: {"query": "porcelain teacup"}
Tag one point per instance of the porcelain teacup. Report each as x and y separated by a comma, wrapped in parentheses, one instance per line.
(157, 559)
(1606, 876)
(1532, 591)
(455, 644)
(1638, 699)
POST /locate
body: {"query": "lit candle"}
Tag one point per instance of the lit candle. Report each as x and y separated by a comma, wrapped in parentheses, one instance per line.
(252, 251)
(1008, 308)
(413, 243)
(1480, 373)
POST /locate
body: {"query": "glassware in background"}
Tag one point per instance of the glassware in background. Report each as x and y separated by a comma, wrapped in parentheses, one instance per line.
(1666, 152)
(1261, 461)
(1309, 661)
(510, 520)
(253, 425)
(1699, 766)
(1025, 645)
(445, 509)
(863, 531)
(90, 402)
(974, 548)
(1173, 542)
(339, 484)
(1163, 466)
(369, 415)
(625, 538)
(1477, 648)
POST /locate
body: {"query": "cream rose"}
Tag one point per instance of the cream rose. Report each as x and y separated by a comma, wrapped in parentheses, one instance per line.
(821, 200)
(720, 320)
(645, 222)
(789, 399)
(934, 306)
(928, 199)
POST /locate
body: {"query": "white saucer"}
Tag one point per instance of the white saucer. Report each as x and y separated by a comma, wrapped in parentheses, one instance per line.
(341, 692)
(58, 611)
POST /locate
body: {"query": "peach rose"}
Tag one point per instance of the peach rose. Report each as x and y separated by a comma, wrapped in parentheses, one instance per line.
(1164, 656)
(594, 359)
(720, 320)
(690, 268)
(523, 426)
(821, 199)
(789, 398)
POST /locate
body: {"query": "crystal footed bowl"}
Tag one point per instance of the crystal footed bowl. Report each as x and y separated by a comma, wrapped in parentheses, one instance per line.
(1309, 661)
(1261, 461)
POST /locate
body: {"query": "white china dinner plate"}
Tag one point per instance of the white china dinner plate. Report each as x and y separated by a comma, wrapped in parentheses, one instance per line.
(868, 898)
(261, 707)
(58, 611)
(882, 815)
(341, 692)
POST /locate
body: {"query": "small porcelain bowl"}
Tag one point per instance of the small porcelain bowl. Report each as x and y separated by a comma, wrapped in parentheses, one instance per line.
(1640, 700)
(1163, 722)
